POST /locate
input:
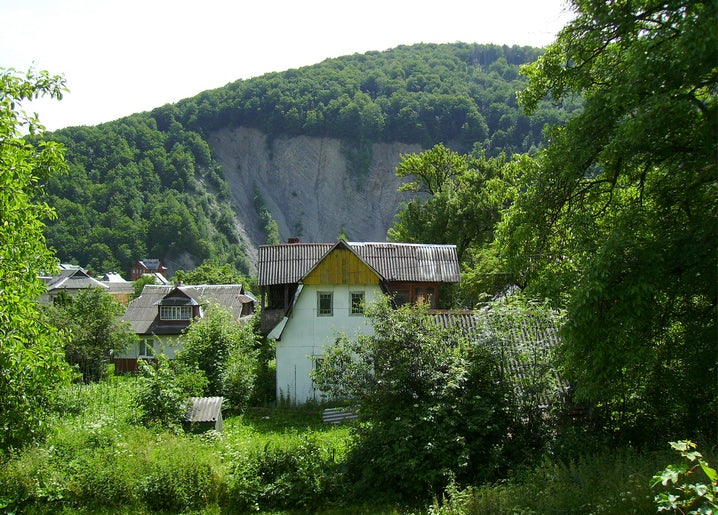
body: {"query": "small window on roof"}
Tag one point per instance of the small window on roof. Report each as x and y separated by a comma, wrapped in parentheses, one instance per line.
(175, 312)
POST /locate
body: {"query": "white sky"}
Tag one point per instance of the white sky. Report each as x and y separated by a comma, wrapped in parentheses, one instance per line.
(123, 57)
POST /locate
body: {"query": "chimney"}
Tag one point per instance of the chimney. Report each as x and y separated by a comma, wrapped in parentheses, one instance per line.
(293, 240)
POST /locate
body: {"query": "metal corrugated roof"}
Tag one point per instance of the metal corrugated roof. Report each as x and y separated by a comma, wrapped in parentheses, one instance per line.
(73, 279)
(204, 409)
(411, 262)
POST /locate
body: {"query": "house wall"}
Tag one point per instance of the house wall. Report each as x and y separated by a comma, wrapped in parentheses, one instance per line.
(306, 334)
(126, 361)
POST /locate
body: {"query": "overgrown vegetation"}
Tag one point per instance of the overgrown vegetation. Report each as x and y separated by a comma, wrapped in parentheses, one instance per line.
(274, 460)
(91, 319)
(613, 223)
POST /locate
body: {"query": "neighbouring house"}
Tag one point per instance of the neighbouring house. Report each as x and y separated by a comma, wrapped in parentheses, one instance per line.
(69, 280)
(311, 292)
(147, 266)
(162, 312)
(120, 289)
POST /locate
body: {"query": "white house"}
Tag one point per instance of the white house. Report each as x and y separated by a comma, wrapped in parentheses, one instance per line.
(69, 280)
(162, 312)
(311, 292)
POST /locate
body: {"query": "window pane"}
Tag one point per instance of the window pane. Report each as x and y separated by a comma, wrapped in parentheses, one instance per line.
(357, 303)
(324, 301)
(176, 312)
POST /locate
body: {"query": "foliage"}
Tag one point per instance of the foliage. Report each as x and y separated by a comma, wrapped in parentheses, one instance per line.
(611, 481)
(139, 284)
(524, 333)
(210, 273)
(31, 360)
(135, 190)
(681, 496)
(149, 184)
(94, 461)
(299, 477)
(460, 198)
(617, 218)
(225, 349)
(433, 404)
(164, 390)
(416, 94)
(91, 320)
(182, 479)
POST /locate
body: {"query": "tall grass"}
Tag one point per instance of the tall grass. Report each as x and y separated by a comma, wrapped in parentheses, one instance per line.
(612, 481)
(96, 460)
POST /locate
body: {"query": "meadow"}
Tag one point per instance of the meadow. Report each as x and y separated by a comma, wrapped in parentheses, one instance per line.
(96, 459)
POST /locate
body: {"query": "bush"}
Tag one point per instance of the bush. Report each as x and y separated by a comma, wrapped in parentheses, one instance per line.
(302, 476)
(179, 477)
(225, 351)
(164, 390)
(613, 481)
(433, 404)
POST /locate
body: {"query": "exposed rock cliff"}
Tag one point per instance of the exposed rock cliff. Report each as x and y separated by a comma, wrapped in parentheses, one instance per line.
(306, 185)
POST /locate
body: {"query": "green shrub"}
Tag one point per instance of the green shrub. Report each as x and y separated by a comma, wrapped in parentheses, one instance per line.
(433, 404)
(173, 486)
(163, 391)
(301, 476)
(679, 493)
(614, 481)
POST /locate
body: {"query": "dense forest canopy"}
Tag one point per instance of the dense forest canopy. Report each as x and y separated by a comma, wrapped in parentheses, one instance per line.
(148, 186)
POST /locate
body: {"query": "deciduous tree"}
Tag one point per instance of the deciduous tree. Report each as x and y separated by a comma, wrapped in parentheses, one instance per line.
(434, 403)
(94, 330)
(32, 364)
(618, 219)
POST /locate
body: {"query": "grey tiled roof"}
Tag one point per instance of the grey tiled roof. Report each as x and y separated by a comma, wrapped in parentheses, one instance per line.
(142, 312)
(73, 279)
(411, 262)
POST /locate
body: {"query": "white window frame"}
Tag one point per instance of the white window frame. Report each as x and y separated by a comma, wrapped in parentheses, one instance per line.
(324, 312)
(175, 312)
(146, 343)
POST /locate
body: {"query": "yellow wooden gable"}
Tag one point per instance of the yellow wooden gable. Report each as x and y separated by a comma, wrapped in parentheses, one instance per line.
(341, 266)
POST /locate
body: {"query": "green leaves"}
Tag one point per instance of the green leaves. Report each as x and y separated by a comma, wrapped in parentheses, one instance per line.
(31, 360)
(680, 495)
(616, 219)
(432, 402)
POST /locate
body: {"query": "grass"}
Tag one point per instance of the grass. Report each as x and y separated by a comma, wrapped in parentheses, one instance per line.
(275, 460)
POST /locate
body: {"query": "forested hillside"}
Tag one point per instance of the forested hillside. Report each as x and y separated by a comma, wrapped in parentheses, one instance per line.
(151, 184)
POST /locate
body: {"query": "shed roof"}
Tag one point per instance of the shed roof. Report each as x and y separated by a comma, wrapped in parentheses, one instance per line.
(204, 409)
(411, 262)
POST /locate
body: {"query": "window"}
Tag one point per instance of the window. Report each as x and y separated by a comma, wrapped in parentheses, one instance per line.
(325, 306)
(147, 348)
(357, 303)
(175, 312)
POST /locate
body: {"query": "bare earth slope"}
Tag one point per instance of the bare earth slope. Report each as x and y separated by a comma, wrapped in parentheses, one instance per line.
(304, 183)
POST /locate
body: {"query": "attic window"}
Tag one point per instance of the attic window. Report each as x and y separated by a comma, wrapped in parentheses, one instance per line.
(175, 312)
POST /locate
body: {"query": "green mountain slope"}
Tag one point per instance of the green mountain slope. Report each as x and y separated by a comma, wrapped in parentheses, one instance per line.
(177, 183)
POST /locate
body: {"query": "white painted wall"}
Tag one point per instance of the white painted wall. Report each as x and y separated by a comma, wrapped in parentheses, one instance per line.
(306, 335)
(167, 345)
